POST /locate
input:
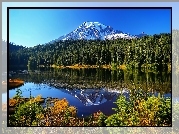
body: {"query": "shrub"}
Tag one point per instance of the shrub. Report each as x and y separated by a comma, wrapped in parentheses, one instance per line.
(142, 111)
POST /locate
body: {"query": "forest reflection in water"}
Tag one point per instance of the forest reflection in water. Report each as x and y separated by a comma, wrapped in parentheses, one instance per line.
(90, 90)
(98, 78)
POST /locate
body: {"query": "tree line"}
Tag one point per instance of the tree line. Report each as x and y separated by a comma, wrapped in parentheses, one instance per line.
(153, 52)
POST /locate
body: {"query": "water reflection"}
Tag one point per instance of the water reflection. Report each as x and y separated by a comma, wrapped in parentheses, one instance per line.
(93, 96)
(91, 90)
(100, 78)
(87, 101)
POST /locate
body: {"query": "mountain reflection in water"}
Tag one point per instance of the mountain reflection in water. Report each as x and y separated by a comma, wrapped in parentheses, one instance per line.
(94, 96)
(87, 101)
(91, 90)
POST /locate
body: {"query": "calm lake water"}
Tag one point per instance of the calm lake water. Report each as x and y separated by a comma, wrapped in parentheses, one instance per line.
(90, 90)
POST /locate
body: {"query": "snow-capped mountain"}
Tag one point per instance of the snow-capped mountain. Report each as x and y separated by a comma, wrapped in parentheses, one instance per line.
(90, 30)
(95, 30)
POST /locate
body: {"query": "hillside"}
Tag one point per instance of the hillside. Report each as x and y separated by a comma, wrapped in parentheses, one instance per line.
(153, 52)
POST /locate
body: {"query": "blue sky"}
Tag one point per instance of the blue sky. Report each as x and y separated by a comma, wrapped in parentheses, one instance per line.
(174, 5)
(30, 27)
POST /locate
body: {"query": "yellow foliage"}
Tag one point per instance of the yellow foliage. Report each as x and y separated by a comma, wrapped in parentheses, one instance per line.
(59, 106)
(13, 102)
(72, 110)
(38, 99)
(123, 67)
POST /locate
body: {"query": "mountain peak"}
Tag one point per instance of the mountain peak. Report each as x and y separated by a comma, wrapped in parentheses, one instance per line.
(90, 30)
(88, 24)
(91, 22)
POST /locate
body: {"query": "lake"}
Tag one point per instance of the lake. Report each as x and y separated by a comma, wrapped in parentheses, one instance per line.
(90, 90)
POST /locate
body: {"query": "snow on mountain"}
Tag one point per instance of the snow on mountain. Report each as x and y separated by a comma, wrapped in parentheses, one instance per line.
(119, 35)
(89, 30)
(95, 30)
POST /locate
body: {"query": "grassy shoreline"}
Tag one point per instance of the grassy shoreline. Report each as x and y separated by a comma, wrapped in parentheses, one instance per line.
(113, 67)
(78, 66)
